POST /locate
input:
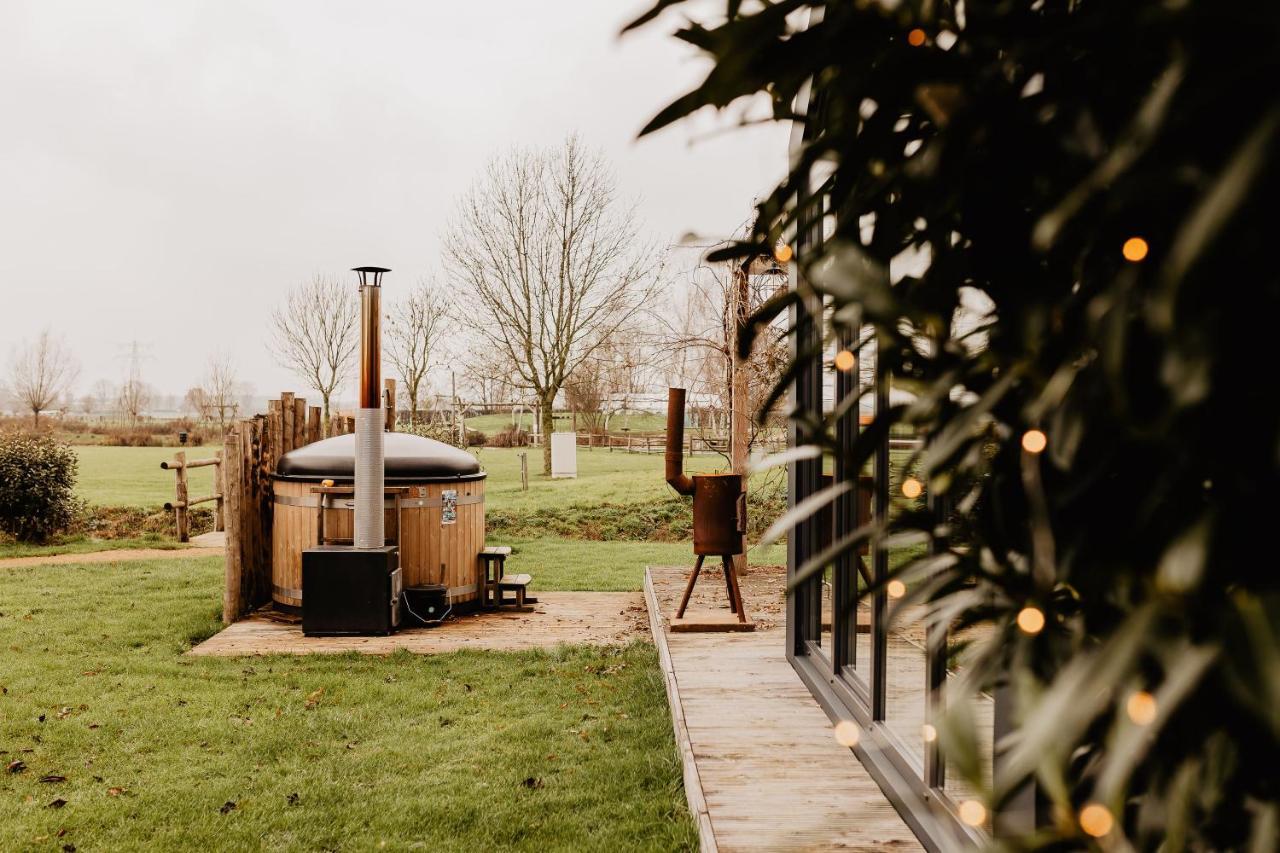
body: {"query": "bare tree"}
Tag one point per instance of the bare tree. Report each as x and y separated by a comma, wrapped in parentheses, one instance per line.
(413, 338)
(316, 332)
(217, 397)
(548, 265)
(42, 371)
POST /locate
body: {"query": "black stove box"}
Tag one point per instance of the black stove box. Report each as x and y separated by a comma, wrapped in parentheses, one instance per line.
(348, 591)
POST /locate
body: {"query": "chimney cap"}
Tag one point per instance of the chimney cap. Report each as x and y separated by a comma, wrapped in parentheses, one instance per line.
(370, 275)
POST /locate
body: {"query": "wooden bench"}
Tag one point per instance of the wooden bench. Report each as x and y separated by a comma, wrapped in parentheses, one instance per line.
(496, 583)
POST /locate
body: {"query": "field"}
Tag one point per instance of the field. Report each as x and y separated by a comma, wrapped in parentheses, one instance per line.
(131, 476)
(123, 743)
(634, 421)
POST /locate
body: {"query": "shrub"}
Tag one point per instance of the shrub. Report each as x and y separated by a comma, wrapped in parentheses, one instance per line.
(511, 436)
(476, 438)
(37, 481)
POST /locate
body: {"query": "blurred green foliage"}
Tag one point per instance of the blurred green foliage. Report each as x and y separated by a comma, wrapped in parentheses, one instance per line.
(1095, 175)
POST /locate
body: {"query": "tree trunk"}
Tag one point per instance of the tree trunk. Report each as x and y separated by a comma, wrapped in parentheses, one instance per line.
(35, 417)
(324, 420)
(548, 424)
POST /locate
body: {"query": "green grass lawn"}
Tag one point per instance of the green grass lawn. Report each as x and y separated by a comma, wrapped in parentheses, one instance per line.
(131, 476)
(563, 750)
(569, 564)
(86, 545)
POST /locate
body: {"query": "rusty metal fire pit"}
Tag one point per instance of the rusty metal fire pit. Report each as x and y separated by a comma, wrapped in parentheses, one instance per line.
(719, 510)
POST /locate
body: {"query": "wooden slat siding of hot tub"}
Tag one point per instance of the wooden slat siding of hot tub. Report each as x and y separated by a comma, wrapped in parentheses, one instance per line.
(426, 542)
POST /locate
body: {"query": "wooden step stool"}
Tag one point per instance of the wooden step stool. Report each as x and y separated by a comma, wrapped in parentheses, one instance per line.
(496, 582)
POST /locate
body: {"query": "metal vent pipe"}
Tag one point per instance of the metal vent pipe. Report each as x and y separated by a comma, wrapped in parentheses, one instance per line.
(370, 422)
(675, 443)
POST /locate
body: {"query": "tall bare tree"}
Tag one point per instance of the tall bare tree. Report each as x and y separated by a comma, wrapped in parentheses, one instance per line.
(413, 333)
(42, 371)
(315, 335)
(548, 265)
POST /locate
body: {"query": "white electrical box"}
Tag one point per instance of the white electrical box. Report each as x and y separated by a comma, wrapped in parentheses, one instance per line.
(564, 454)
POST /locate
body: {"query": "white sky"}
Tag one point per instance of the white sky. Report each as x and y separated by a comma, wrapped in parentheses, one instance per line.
(169, 169)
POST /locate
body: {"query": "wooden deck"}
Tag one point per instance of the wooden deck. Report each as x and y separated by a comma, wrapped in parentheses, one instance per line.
(762, 769)
(599, 618)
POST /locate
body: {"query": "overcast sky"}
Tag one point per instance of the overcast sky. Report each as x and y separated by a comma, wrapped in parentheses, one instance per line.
(169, 169)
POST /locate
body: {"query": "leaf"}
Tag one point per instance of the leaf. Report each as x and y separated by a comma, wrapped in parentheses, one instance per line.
(1182, 564)
(57, 804)
(228, 807)
(52, 778)
(292, 799)
(16, 766)
(803, 511)
(532, 782)
(115, 791)
(313, 698)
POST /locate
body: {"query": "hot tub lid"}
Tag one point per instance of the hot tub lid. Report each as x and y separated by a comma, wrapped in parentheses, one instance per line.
(409, 459)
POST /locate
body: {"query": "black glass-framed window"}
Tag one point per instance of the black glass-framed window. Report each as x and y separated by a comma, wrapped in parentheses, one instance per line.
(864, 648)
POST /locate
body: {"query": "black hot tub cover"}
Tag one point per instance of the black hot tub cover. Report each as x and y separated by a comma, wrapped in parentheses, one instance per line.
(409, 459)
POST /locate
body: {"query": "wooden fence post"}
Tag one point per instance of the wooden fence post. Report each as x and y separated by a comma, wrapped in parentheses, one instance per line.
(220, 489)
(391, 405)
(232, 487)
(287, 411)
(314, 429)
(299, 422)
(180, 505)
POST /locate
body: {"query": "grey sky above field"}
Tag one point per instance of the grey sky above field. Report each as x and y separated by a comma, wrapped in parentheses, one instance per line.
(169, 169)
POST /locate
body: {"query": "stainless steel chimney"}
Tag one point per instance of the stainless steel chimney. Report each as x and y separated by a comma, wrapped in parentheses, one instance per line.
(370, 422)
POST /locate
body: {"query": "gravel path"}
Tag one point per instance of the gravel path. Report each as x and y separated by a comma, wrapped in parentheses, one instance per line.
(109, 556)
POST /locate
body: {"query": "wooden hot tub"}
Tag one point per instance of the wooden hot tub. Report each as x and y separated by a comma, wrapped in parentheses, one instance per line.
(440, 529)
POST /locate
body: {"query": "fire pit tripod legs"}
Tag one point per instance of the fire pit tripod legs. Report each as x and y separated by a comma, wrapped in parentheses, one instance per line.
(730, 584)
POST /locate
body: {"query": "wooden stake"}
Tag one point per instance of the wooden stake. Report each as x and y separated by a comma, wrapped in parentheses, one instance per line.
(233, 565)
(299, 422)
(220, 488)
(314, 428)
(287, 411)
(180, 505)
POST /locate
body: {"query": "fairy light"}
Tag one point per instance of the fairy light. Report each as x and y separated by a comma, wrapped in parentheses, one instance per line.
(1034, 441)
(1141, 708)
(1031, 620)
(973, 813)
(912, 488)
(845, 360)
(782, 253)
(896, 589)
(929, 733)
(847, 733)
(1134, 249)
(1096, 820)
(916, 37)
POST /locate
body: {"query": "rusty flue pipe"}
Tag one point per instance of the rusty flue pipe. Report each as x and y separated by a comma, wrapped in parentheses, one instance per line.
(676, 477)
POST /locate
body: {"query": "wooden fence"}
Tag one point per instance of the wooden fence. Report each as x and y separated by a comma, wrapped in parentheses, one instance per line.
(182, 502)
(252, 448)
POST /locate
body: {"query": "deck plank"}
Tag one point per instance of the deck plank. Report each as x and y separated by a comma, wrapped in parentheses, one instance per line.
(760, 751)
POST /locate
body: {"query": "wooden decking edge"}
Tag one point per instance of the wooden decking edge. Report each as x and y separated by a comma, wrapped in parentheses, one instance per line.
(692, 781)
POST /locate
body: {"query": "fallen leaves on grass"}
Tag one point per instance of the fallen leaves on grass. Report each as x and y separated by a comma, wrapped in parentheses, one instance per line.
(532, 782)
(50, 778)
(313, 698)
(16, 766)
(57, 804)
(115, 791)
(228, 807)
(292, 799)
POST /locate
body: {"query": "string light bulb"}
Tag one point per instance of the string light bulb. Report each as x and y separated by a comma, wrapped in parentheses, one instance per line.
(845, 360)
(847, 733)
(782, 253)
(1141, 708)
(896, 589)
(929, 733)
(916, 37)
(973, 813)
(912, 488)
(1031, 620)
(1034, 441)
(1096, 820)
(1134, 249)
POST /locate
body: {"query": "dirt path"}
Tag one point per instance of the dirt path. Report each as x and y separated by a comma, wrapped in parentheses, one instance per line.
(109, 556)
